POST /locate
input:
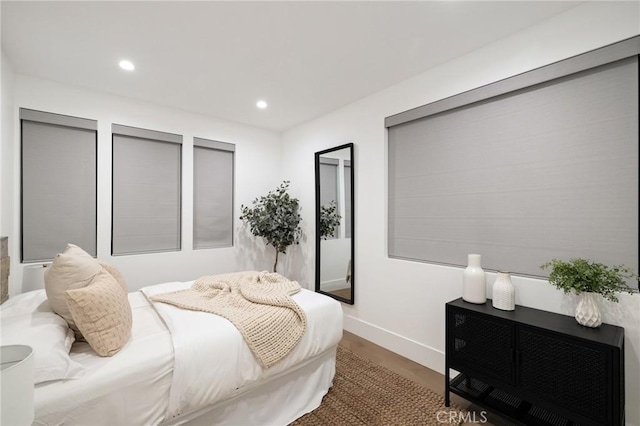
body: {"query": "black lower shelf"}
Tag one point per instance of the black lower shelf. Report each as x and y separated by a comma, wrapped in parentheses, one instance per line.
(511, 407)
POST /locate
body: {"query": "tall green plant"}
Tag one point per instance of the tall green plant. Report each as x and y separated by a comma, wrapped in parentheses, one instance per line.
(329, 219)
(581, 275)
(275, 218)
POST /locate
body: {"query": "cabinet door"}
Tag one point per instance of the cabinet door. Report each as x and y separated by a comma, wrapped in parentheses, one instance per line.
(565, 372)
(481, 345)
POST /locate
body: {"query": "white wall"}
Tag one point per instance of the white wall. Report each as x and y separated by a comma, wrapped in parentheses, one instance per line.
(400, 304)
(334, 255)
(257, 171)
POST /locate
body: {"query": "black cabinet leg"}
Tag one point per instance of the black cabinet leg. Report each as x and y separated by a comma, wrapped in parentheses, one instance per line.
(446, 388)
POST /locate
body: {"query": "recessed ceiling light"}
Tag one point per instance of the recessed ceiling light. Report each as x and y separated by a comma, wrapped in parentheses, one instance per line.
(127, 65)
(261, 104)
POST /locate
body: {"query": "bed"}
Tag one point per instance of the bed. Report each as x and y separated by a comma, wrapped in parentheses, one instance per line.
(181, 367)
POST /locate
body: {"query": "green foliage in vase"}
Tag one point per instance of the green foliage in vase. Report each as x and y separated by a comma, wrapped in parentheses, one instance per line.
(581, 275)
(329, 220)
(275, 218)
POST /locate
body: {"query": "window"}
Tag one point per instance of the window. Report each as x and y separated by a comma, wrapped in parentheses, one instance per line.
(348, 198)
(146, 191)
(539, 166)
(58, 176)
(213, 168)
(329, 184)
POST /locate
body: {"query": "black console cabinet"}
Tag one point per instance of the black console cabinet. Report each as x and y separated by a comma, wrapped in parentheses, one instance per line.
(535, 367)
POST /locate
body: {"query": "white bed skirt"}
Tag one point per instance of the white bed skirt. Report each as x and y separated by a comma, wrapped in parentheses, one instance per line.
(279, 400)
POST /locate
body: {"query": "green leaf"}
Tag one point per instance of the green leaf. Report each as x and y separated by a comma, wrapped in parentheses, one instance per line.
(581, 275)
(275, 218)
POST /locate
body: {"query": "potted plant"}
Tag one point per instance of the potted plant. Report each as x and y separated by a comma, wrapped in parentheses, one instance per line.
(275, 218)
(586, 278)
(329, 220)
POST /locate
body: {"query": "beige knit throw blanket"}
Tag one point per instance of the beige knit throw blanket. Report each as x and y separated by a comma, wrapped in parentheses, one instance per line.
(259, 304)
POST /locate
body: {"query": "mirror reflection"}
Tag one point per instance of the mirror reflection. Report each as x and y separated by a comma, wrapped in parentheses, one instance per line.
(334, 222)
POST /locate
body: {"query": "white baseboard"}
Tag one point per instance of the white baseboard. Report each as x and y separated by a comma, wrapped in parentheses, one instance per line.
(332, 285)
(408, 348)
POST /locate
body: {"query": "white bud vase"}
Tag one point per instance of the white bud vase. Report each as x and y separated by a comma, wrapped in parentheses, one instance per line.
(504, 294)
(474, 285)
(587, 311)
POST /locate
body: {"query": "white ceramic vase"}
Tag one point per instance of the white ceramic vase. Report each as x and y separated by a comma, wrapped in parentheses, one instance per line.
(474, 285)
(504, 294)
(587, 311)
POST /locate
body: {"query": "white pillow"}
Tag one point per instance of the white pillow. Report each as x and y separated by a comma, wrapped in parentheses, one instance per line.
(71, 269)
(25, 303)
(115, 273)
(50, 338)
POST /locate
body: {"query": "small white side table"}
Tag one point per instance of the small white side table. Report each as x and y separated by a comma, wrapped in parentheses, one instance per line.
(16, 385)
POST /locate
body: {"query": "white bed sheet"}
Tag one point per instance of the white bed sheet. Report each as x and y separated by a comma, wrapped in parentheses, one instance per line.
(203, 377)
(129, 388)
(225, 363)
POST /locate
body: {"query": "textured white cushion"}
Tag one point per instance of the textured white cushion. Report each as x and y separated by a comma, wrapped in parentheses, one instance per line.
(50, 338)
(102, 313)
(72, 269)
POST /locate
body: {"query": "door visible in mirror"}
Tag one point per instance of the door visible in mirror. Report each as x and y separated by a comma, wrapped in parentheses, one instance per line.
(335, 222)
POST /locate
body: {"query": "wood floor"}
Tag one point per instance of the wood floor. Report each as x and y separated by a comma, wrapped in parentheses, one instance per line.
(343, 292)
(413, 371)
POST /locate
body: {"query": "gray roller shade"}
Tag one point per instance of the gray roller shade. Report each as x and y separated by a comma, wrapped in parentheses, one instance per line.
(146, 191)
(328, 180)
(546, 171)
(348, 211)
(58, 184)
(213, 171)
(329, 183)
(58, 119)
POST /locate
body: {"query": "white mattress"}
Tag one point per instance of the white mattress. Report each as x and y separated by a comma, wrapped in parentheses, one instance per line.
(175, 364)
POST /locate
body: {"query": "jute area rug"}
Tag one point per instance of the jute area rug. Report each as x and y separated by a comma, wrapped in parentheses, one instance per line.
(364, 393)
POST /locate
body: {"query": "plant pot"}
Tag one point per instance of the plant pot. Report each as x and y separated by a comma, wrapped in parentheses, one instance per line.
(587, 311)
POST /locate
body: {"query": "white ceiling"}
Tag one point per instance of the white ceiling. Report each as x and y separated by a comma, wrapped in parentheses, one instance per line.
(218, 58)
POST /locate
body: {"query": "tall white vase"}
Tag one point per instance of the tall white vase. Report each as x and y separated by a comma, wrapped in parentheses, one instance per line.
(504, 294)
(587, 311)
(474, 284)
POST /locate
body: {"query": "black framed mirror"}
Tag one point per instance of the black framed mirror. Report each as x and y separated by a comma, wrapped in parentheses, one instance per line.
(335, 222)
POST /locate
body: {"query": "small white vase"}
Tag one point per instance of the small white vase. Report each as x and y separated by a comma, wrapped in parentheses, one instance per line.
(474, 285)
(504, 294)
(587, 311)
